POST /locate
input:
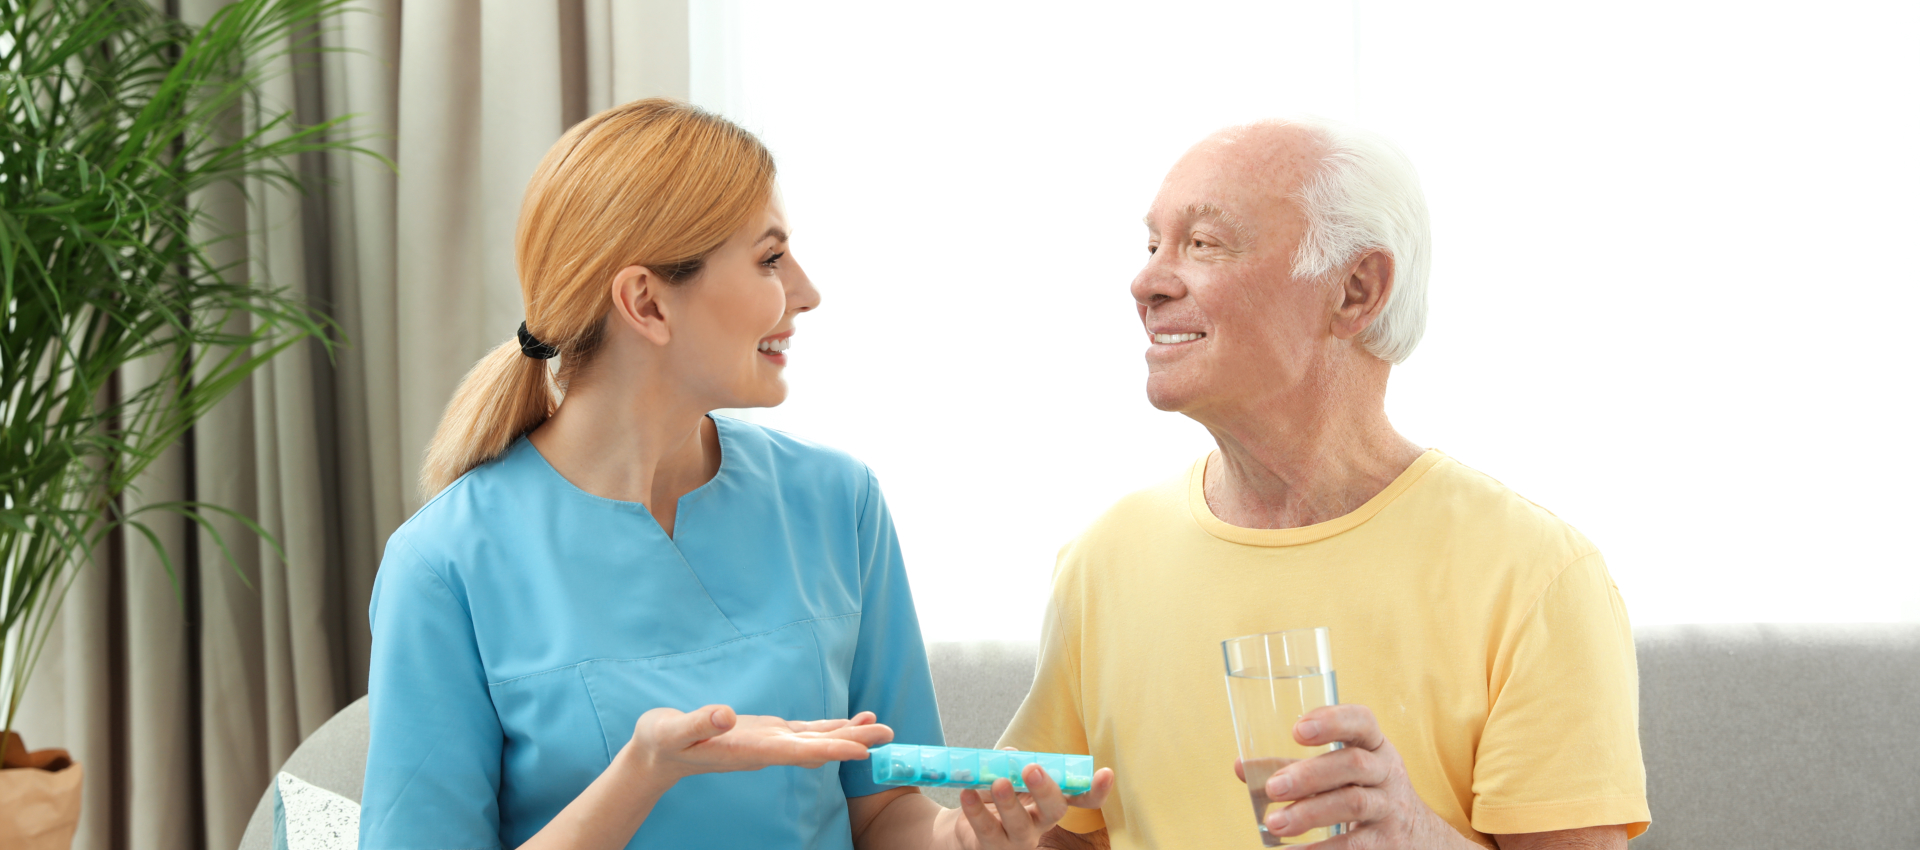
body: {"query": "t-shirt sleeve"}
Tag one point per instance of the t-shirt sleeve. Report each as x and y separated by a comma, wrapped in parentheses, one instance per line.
(890, 676)
(1050, 720)
(435, 742)
(1561, 746)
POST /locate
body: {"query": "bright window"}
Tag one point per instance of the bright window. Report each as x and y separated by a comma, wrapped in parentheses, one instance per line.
(1671, 289)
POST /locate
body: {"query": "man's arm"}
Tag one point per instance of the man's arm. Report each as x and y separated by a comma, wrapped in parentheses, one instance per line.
(1060, 839)
(1366, 785)
(1588, 838)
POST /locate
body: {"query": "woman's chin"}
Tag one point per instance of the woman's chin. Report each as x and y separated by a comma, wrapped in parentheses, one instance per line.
(770, 395)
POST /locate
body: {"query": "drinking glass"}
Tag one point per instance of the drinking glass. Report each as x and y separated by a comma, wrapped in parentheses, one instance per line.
(1273, 679)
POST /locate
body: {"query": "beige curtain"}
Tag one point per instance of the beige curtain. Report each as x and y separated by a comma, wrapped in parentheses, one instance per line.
(182, 697)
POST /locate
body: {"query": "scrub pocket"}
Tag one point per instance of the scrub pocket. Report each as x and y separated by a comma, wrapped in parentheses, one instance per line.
(778, 673)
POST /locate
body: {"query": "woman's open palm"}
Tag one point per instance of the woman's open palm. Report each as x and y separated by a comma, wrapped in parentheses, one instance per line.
(714, 739)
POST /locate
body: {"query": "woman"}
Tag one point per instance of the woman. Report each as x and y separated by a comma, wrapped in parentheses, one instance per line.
(587, 569)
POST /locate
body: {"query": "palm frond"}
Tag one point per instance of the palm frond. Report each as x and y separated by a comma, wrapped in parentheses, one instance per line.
(116, 120)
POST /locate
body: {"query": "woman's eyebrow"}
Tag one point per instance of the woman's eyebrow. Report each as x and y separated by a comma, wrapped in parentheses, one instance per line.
(775, 232)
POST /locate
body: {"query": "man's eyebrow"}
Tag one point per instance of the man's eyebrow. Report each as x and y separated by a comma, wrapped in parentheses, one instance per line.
(1218, 214)
(1207, 211)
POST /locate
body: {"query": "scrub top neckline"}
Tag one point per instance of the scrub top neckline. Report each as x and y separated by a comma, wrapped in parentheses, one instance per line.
(721, 424)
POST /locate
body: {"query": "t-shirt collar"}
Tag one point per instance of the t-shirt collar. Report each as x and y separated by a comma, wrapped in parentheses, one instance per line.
(1203, 514)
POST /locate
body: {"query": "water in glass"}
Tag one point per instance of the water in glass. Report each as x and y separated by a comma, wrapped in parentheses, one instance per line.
(1271, 681)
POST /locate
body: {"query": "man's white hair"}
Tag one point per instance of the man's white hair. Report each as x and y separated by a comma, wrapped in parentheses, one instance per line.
(1366, 196)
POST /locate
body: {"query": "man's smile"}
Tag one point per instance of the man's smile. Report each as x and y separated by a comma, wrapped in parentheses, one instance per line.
(1175, 339)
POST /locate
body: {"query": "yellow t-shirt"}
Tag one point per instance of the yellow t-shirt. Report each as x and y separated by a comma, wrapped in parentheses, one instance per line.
(1483, 632)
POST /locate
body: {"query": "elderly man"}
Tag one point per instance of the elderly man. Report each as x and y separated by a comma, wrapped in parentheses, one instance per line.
(1484, 655)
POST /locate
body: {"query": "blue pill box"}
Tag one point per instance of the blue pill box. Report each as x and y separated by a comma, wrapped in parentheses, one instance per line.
(954, 767)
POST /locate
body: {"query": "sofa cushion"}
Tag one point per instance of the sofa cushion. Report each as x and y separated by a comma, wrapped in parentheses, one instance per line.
(1760, 736)
(1755, 736)
(334, 757)
(309, 817)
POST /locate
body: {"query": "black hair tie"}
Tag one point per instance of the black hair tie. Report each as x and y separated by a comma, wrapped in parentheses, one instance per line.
(535, 348)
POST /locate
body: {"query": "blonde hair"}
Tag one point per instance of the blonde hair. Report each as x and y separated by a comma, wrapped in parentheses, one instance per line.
(654, 183)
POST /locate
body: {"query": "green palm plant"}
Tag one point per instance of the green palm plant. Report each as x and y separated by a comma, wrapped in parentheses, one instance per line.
(117, 122)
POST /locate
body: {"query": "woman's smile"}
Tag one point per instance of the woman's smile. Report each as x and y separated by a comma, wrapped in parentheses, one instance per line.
(773, 346)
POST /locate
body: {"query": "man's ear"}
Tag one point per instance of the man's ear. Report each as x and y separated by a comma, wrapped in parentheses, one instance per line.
(637, 303)
(1363, 294)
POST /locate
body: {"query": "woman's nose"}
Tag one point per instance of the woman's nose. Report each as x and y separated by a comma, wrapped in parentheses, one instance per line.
(801, 296)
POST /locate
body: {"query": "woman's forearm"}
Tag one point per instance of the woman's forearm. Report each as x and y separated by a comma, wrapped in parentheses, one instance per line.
(605, 816)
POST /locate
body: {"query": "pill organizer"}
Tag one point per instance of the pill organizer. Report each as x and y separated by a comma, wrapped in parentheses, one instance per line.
(954, 767)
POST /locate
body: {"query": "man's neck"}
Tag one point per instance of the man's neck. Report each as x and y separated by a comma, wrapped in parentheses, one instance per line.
(1296, 461)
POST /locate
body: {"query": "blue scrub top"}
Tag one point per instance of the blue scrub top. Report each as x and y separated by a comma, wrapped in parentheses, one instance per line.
(521, 625)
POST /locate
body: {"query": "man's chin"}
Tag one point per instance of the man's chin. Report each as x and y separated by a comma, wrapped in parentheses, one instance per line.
(1171, 399)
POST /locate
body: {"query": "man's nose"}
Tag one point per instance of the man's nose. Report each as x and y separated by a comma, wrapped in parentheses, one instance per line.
(1156, 283)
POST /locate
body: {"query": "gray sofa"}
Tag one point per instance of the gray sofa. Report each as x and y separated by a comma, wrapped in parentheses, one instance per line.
(1755, 736)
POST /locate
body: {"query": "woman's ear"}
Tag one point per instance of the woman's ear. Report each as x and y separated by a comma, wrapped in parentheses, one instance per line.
(638, 304)
(1363, 294)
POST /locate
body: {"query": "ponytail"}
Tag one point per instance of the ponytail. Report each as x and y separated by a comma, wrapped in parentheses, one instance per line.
(655, 183)
(504, 395)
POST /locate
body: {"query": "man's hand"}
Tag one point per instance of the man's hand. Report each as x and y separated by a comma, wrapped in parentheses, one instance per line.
(1020, 820)
(1364, 784)
(997, 819)
(713, 740)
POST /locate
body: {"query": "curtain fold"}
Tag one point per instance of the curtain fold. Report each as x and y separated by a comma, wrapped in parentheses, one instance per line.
(182, 694)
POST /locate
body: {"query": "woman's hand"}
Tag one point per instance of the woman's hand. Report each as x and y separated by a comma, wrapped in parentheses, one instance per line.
(675, 744)
(1018, 820)
(670, 745)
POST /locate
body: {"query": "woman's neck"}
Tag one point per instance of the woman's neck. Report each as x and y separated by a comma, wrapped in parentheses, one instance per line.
(626, 441)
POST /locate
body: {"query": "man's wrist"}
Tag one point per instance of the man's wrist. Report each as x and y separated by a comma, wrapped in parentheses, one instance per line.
(1441, 834)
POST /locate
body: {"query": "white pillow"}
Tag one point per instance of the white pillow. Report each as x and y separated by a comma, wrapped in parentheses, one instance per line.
(309, 817)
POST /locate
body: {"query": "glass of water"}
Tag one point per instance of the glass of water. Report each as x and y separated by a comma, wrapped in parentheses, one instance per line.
(1273, 679)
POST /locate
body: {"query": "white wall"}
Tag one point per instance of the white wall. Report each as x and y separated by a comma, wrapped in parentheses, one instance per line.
(1669, 292)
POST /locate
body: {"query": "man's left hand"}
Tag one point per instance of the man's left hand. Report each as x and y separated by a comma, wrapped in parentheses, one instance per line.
(1363, 784)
